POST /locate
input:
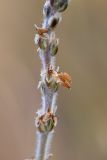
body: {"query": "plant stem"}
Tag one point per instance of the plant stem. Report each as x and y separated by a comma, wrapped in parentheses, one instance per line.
(50, 78)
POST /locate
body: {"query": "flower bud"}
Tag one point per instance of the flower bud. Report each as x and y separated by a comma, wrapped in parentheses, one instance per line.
(41, 41)
(54, 47)
(52, 84)
(54, 20)
(43, 44)
(60, 5)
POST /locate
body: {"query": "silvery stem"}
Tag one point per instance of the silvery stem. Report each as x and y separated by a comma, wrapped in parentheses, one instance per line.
(52, 15)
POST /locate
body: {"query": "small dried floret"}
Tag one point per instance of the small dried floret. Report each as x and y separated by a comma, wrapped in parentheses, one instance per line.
(41, 31)
(65, 79)
(59, 77)
(46, 122)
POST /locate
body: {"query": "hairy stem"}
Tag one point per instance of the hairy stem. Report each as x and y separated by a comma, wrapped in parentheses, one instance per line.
(51, 78)
(43, 146)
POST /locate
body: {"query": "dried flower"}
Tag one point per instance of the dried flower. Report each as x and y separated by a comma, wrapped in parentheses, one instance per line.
(46, 122)
(59, 77)
(41, 31)
(65, 79)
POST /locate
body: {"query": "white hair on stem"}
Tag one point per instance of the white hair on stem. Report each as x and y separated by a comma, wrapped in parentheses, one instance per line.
(48, 47)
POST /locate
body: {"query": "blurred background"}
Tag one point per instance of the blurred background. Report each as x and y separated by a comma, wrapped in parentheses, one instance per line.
(82, 130)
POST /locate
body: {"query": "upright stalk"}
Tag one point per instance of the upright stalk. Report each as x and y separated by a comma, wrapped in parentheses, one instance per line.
(50, 77)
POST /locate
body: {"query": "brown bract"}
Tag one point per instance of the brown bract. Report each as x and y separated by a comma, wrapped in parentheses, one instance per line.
(41, 31)
(60, 77)
(65, 79)
(46, 122)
